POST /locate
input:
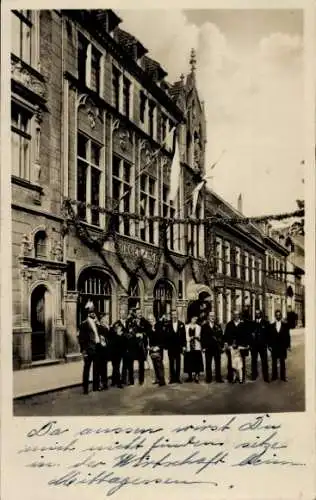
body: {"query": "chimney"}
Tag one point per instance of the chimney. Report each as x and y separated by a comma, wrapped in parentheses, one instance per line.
(239, 203)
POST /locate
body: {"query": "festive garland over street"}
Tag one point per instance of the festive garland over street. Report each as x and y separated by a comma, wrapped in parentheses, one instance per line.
(177, 262)
(192, 220)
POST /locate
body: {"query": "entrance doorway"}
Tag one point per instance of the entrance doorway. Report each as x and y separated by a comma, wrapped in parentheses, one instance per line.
(94, 286)
(163, 298)
(41, 322)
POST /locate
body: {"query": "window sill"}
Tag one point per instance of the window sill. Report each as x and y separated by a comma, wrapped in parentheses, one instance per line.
(19, 181)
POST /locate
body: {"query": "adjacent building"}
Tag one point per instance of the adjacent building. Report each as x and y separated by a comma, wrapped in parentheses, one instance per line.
(94, 127)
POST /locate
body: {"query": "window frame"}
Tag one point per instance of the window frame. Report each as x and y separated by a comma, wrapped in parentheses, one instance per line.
(23, 135)
(148, 233)
(90, 168)
(29, 21)
(122, 226)
(84, 76)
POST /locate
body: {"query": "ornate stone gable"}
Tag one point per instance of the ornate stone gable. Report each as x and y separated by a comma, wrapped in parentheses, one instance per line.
(28, 77)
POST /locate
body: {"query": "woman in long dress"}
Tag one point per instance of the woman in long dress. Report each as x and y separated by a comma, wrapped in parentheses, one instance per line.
(193, 360)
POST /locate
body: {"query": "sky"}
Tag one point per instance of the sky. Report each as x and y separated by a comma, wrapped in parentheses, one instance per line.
(250, 77)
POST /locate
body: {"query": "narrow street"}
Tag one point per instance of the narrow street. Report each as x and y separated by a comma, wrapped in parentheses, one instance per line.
(184, 399)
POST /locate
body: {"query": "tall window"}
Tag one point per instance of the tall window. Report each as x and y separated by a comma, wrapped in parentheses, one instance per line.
(89, 64)
(20, 141)
(227, 258)
(246, 266)
(21, 34)
(169, 211)
(40, 245)
(164, 127)
(148, 205)
(95, 73)
(260, 272)
(121, 192)
(253, 269)
(282, 275)
(82, 58)
(126, 97)
(142, 106)
(219, 255)
(238, 262)
(116, 76)
(88, 179)
(151, 119)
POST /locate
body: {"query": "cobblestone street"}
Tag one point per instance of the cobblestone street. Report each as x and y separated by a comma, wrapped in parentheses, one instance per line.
(184, 399)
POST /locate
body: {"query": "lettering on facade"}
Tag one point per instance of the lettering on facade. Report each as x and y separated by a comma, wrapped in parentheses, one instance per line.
(128, 249)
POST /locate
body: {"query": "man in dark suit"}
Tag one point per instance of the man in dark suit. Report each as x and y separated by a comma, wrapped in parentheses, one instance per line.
(175, 339)
(259, 346)
(212, 344)
(236, 332)
(279, 343)
(89, 341)
(118, 348)
(139, 329)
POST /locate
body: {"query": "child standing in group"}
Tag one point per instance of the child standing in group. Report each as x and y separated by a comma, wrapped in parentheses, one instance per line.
(237, 363)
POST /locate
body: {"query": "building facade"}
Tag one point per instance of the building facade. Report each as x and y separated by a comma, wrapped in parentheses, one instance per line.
(295, 243)
(236, 261)
(276, 273)
(93, 133)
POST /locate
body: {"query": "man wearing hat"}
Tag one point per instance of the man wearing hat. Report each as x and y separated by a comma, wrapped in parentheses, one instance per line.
(89, 341)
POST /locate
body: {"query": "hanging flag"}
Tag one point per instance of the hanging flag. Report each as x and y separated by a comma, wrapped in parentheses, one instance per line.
(195, 196)
(175, 173)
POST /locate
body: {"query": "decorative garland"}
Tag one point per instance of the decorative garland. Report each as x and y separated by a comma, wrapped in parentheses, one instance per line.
(139, 263)
(191, 220)
(179, 266)
(92, 243)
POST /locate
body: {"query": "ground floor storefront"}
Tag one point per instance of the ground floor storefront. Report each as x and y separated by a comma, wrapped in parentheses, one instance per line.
(52, 294)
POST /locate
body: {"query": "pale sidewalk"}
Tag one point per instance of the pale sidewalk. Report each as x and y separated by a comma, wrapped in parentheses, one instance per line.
(43, 379)
(53, 377)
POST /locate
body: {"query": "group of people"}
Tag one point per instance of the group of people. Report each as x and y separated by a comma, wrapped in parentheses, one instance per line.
(132, 338)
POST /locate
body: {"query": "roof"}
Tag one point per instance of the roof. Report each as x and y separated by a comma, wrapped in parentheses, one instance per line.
(128, 42)
(153, 68)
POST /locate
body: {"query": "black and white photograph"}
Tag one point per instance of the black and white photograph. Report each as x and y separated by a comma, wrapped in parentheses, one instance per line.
(158, 212)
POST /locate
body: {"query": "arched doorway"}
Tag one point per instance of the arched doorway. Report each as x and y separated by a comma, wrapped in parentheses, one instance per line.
(41, 323)
(163, 298)
(134, 296)
(94, 285)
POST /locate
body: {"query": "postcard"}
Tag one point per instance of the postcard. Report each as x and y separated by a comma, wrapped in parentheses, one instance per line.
(158, 250)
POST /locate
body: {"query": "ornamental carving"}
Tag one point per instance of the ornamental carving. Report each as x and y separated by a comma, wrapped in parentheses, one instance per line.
(89, 115)
(57, 252)
(198, 270)
(123, 141)
(26, 246)
(26, 274)
(22, 74)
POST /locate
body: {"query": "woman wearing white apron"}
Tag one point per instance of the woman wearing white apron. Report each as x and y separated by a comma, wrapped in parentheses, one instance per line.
(193, 360)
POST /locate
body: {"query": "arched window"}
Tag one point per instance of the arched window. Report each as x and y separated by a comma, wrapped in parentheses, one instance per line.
(94, 286)
(40, 245)
(134, 298)
(163, 298)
